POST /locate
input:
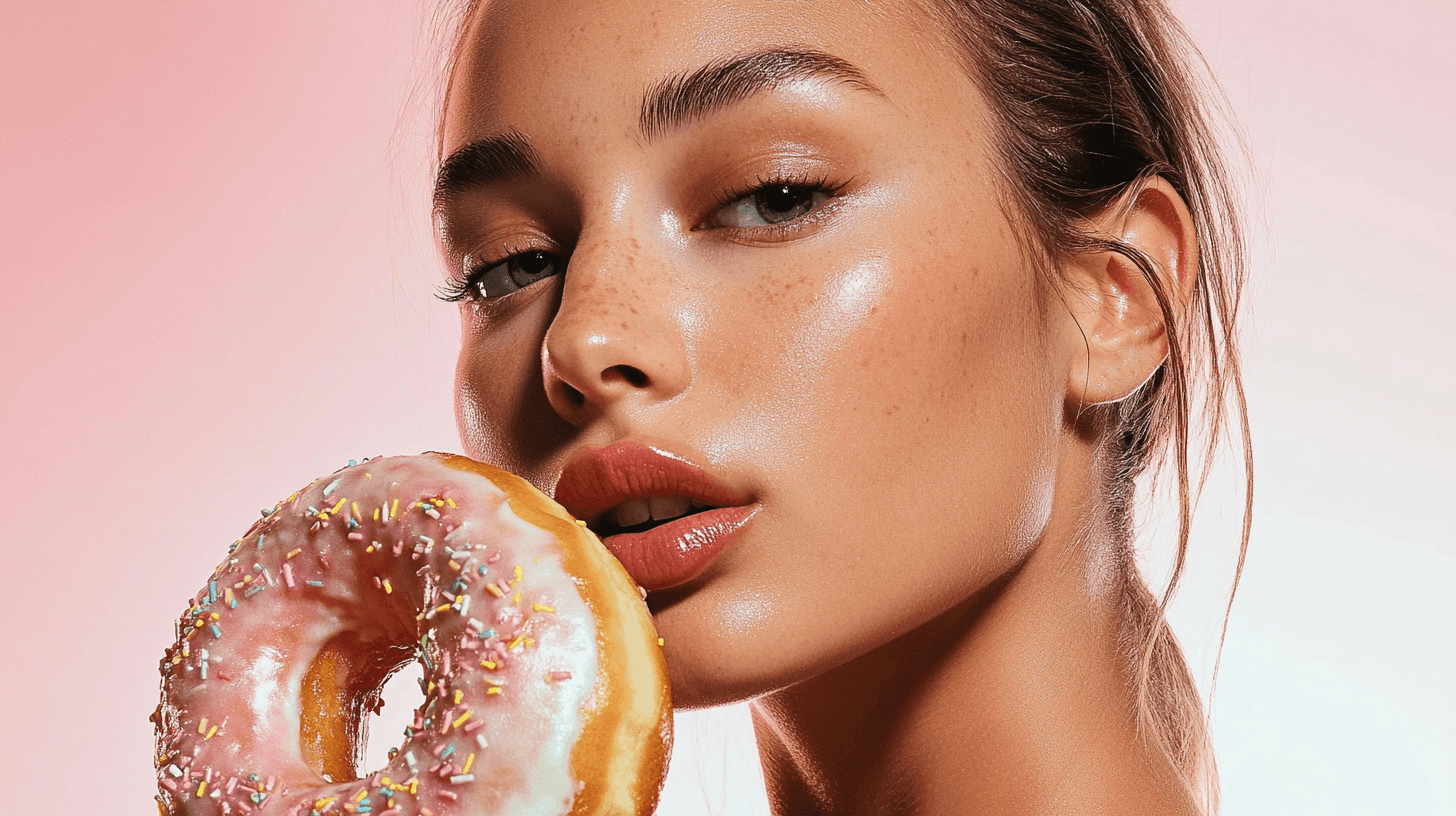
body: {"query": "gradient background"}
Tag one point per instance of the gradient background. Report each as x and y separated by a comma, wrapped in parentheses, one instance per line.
(217, 281)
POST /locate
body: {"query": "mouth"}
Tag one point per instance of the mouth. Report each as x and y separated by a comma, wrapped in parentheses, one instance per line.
(662, 516)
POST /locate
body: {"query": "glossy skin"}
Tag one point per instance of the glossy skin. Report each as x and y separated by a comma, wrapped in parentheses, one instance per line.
(924, 605)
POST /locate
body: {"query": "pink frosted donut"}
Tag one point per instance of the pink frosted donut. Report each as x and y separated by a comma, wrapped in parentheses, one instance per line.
(545, 690)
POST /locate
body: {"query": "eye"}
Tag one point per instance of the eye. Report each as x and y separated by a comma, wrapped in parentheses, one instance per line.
(771, 205)
(496, 278)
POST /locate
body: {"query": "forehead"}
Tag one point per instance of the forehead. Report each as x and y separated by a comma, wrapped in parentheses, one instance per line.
(579, 70)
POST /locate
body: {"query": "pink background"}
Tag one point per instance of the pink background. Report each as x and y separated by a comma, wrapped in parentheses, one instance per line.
(217, 282)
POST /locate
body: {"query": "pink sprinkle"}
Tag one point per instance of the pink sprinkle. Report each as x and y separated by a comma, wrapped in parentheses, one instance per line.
(288, 574)
(436, 766)
(444, 794)
(561, 675)
(272, 780)
(169, 785)
(232, 783)
(356, 536)
(323, 562)
(471, 726)
(494, 557)
(438, 749)
(377, 584)
(447, 664)
(398, 547)
(207, 775)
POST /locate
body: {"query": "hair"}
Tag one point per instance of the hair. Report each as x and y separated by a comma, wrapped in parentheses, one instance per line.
(1092, 100)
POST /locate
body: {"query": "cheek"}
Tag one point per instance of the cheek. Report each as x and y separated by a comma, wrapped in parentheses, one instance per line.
(501, 410)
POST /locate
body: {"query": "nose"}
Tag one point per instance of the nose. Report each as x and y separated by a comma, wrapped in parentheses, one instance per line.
(613, 344)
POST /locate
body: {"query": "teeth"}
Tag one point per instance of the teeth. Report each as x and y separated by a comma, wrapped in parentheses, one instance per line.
(666, 507)
(631, 512)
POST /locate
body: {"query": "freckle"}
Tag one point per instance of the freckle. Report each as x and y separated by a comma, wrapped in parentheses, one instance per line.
(625, 327)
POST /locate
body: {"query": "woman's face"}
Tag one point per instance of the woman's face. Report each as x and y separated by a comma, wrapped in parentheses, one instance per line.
(763, 238)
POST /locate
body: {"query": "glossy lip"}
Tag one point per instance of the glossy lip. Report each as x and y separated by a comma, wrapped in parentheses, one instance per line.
(677, 551)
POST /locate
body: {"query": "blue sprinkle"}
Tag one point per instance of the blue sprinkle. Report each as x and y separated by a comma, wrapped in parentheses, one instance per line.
(312, 511)
(233, 604)
(352, 463)
(267, 512)
(211, 591)
(332, 486)
(216, 632)
(314, 583)
(254, 591)
(260, 541)
(232, 548)
(353, 523)
(482, 569)
(449, 749)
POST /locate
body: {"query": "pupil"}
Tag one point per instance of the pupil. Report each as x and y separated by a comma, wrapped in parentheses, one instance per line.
(785, 203)
(531, 266)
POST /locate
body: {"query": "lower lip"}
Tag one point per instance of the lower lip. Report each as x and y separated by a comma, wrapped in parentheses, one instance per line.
(678, 551)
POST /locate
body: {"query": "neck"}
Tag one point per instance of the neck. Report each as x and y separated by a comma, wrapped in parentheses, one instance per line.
(1021, 700)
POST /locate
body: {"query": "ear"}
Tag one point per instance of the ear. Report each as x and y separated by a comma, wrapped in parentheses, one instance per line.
(1118, 338)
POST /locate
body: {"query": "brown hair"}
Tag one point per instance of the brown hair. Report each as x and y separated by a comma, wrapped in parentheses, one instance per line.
(1094, 98)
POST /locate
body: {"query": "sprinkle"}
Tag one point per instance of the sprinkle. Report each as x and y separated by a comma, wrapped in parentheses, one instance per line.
(174, 770)
(582, 523)
(288, 574)
(254, 591)
(293, 552)
(470, 760)
(517, 573)
(202, 726)
(458, 694)
(337, 505)
(558, 676)
(353, 510)
(460, 779)
(659, 641)
(480, 738)
(376, 514)
(517, 641)
(355, 536)
(543, 608)
(489, 664)
(493, 690)
(227, 596)
(462, 718)
(393, 509)
(314, 583)
(216, 632)
(201, 788)
(409, 759)
(332, 486)
(388, 590)
(267, 512)
(211, 591)
(494, 590)
(210, 733)
(450, 502)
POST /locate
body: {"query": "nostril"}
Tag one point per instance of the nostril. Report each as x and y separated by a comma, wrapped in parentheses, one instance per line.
(573, 396)
(631, 374)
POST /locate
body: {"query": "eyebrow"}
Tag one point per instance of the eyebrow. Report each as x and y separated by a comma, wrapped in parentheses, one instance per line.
(508, 155)
(691, 96)
(672, 103)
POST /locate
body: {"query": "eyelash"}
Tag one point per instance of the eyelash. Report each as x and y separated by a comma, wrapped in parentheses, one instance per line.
(463, 287)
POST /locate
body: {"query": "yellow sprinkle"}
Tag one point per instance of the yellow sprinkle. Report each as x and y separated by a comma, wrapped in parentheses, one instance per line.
(211, 732)
(458, 695)
(227, 596)
(376, 514)
(323, 515)
(442, 607)
(582, 523)
(517, 641)
(494, 590)
(454, 566)
(462, 718)
(431, 689)
(450, 502)
(414, 787)
(247, 579)
(294, 551)
(517, 572)
(437, 502)
(369, 475)
(493, 690)
(354, 509)
(362, 795)
(178, 659)
(489, 664)
(659, 641)
(215, 616)
(516, 599)
(388, 590)
(197, 624)
(544, 608)
(394, 509)
(470, 760)
(202, 726)
(369, 549)
(201, 788)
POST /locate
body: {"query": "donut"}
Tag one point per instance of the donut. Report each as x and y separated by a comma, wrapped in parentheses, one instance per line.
(544, 688)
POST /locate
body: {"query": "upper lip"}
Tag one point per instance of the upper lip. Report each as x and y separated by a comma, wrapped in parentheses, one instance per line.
(598, 479)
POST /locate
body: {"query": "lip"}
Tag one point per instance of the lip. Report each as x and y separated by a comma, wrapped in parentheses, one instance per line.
(672, 553)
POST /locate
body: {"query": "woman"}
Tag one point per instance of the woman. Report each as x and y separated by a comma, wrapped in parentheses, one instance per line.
(848, 326)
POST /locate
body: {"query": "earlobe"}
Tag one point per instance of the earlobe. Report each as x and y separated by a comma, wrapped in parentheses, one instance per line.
(1122, 294)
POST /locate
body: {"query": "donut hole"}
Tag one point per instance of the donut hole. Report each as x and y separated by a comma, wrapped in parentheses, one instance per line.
(399, 699)
(341, 692)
